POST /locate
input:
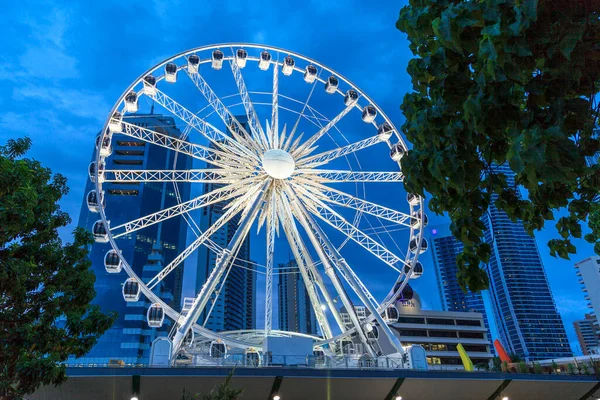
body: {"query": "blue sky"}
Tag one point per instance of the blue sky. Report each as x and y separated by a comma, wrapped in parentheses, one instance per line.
(63, 64)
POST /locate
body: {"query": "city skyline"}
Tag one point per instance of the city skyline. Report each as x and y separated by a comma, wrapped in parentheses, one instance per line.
(89, 91)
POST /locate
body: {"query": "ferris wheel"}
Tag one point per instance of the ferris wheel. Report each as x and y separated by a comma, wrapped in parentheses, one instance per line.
(314, 173)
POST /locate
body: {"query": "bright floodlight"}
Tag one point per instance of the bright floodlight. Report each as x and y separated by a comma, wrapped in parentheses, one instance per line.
(398, 397)
(134, 398)
(323, 307)
(278, 163)
(505, 398)
(276, 397)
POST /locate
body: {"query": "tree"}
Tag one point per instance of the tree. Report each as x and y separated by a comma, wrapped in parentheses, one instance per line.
(223, 392)
(45, 287)
(500, 82)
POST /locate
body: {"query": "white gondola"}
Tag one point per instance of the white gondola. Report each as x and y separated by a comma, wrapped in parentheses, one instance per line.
(150, 85)
(217, 59)
(104, 145)
(288, 66)
(217, 349)
(115, 125)
(384, 131)
(417, 271)
(131, 102)
(418, 219)
(171, 72)
(373, 334)
(391, 315)
(131, 290)
(252, 357)
(265, 60)
(413, 199)
(332, 84)
(94, 202)
(397, 152)
(310, 74)
(188, 340)
(347, 347)
(414, 245)
(350, 98)
(92, 171)
(155, 316)
(112, 262)
(319, 357)
(369, 113)
(241, 56)
(193, 63)
(100, 232)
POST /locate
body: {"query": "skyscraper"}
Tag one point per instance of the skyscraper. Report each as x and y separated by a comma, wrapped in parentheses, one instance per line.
(445, 250)
(235, 306)
(524, 310)
(295, 310)
(586, 330)
(588, 272)
(147, 250)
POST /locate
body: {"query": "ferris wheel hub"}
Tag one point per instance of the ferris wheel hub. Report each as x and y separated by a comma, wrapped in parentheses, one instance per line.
(278, 163)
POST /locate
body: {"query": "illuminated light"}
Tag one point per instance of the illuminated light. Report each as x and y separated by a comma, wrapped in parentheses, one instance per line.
(323, 307)
(434, 231)
(398, 397)
(134, 398)
(505, 398)
(279, 164)
(276, 397)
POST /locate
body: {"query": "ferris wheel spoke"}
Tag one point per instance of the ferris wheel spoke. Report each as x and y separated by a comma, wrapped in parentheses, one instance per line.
(310, 275)
(215, 196)
(332, 218)
(217, 176)
(236, 206)
(327, 156)
(257, 131)
(223, 263)
(345, 200)
(208, 155)
(301, 114)
(212, 134)
(336, 176)
(307, 147)
(351, 278)
(237, 130)
(274, 132)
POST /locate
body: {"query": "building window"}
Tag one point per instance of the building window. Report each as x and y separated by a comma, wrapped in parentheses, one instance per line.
(411, 320)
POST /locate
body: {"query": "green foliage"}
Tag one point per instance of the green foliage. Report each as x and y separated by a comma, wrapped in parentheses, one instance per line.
(585, 368)
(554, 367)
(223, 392)
(570, 369)
(496, 364)
(537, 368)
(503, 82)
(45, 286)
(522, 367)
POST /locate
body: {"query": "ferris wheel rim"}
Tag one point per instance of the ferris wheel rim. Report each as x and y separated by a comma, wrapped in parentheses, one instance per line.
(173, 314)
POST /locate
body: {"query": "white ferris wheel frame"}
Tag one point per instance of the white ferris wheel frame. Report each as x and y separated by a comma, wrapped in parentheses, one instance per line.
(290, 215)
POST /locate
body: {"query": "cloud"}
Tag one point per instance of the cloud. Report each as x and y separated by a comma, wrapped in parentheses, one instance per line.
(568, 306)
(81, 103)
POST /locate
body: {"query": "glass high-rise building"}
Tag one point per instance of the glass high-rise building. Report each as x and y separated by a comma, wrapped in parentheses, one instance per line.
(147, 250)
(235, 306)
(295, 309)
(524, 310)
(587, 335)
(445, 250)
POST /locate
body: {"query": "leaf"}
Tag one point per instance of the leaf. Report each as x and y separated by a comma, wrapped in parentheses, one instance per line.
(491, 30)
(570, 40)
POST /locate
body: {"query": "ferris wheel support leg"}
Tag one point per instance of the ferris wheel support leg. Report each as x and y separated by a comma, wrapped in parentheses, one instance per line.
(221, 266)
(336, 284)
(302, 259)
(353, 280)
(271, 225)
